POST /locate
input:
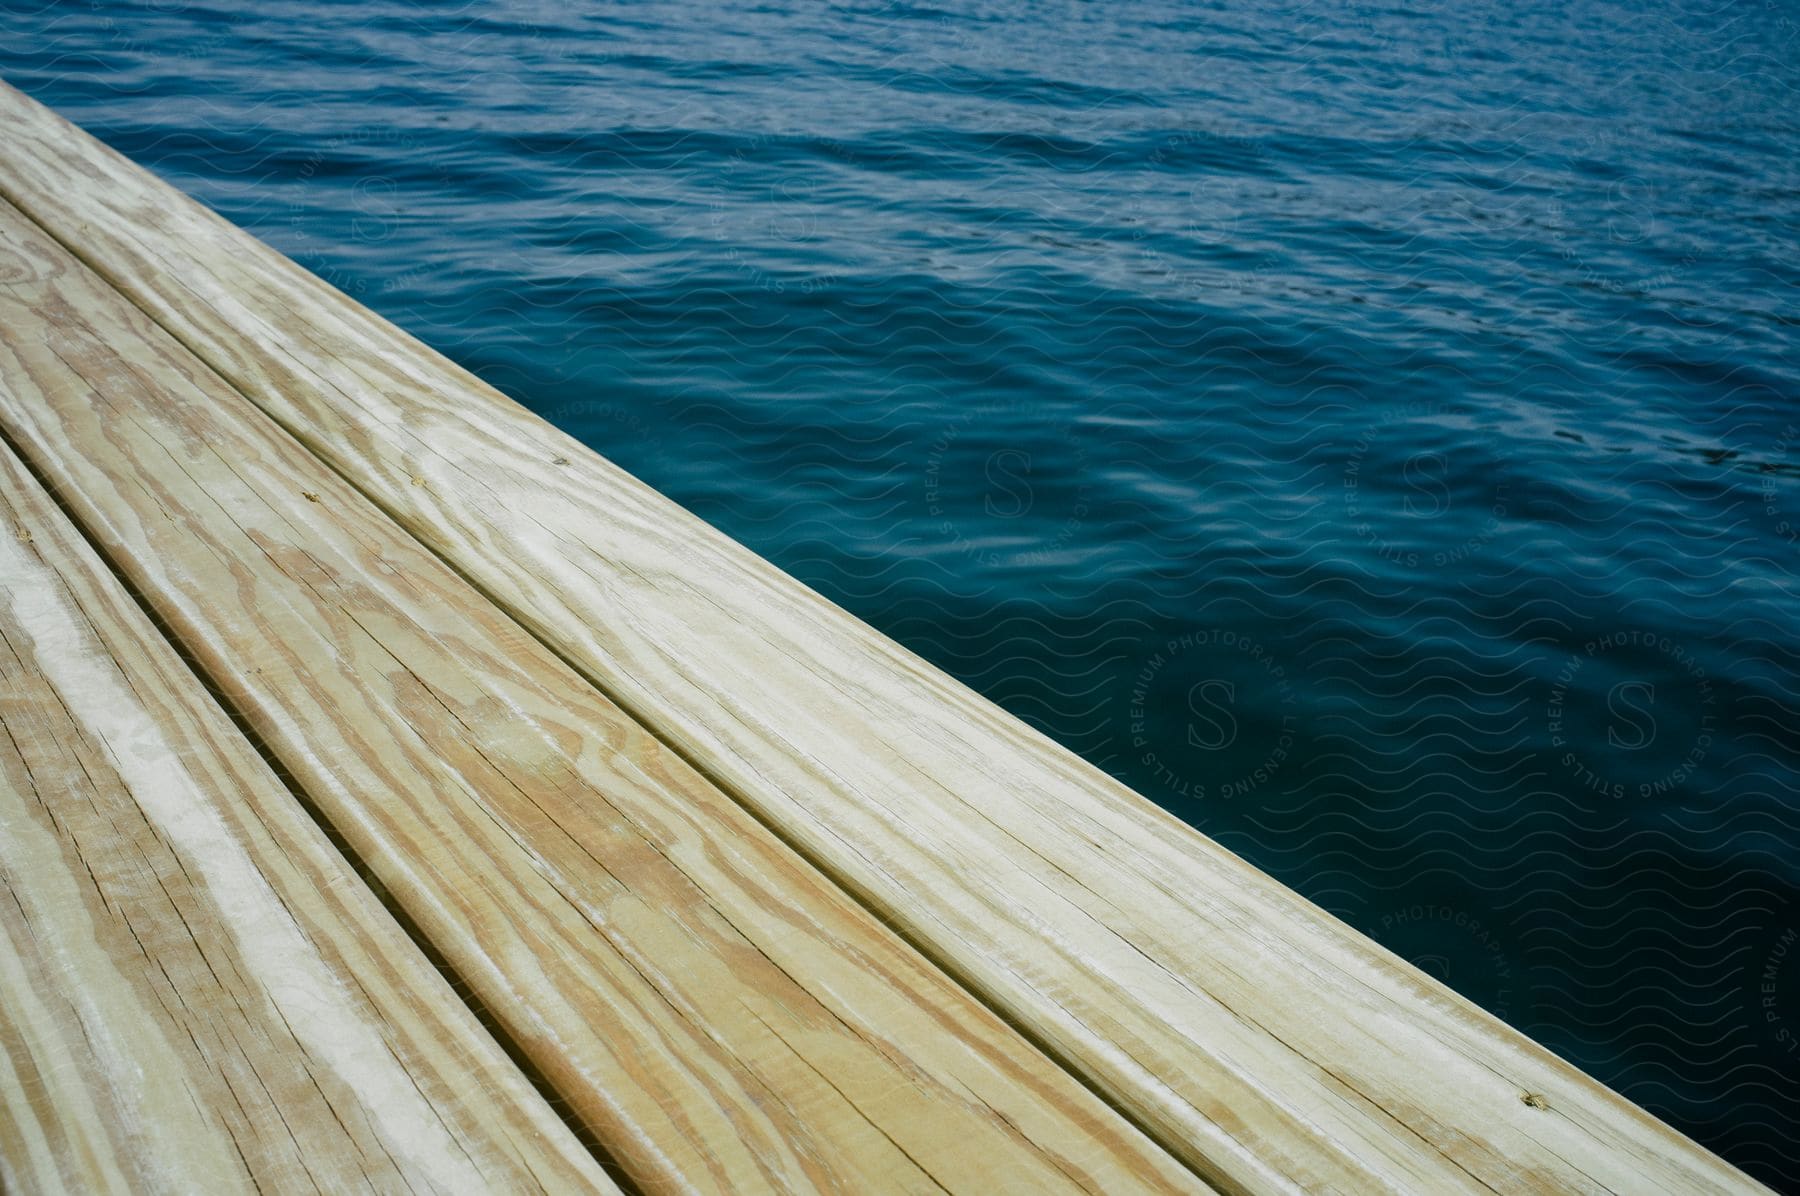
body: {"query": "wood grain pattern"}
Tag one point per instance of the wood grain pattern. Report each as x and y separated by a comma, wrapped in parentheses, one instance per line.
(1251, 1032)
(720, 1015)
(1264, 1042)
(196, 993)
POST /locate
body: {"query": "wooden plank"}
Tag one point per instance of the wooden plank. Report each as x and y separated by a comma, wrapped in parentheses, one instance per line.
(196, 992)
(1263, 1041)
(723, 1017)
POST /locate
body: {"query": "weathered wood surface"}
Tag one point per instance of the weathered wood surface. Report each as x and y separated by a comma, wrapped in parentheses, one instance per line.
(1261, 1040)
(196, 993)
(1258, 1037)
(718, 1013)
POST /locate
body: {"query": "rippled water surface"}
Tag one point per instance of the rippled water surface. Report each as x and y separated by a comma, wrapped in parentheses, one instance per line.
(1372, 430)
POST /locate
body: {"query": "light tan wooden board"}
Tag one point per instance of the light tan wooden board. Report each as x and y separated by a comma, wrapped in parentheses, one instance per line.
(1265, 1042)
(196, 992)
(719, 1014)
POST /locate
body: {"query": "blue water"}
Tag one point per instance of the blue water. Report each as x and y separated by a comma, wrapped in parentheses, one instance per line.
(1372, 430)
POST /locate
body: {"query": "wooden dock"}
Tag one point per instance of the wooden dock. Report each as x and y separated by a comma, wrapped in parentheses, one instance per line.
(397, 796)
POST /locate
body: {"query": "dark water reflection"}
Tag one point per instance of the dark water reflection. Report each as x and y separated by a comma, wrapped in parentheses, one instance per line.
(1371, 430)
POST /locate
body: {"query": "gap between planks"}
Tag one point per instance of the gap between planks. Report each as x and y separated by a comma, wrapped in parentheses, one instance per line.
(378, 892)
(203, 909)
(1452, 1096)
(1015, 1117)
